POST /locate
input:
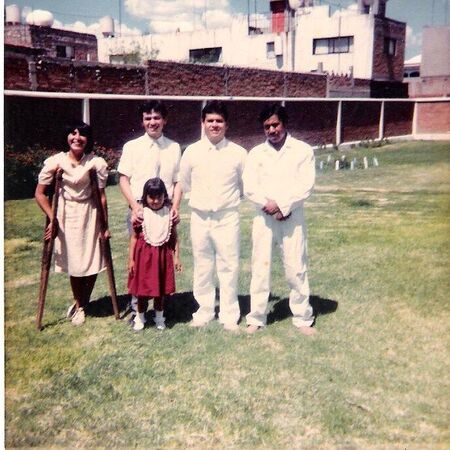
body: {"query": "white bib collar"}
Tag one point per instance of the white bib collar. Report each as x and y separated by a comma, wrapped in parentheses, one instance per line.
(157, 226)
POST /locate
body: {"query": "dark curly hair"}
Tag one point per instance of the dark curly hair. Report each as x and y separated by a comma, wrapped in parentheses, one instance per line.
(84, 129)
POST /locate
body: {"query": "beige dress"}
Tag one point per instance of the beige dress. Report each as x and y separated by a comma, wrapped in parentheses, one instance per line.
(77, 246)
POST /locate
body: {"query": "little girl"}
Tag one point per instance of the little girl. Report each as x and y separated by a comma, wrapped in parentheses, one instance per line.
(153, 254)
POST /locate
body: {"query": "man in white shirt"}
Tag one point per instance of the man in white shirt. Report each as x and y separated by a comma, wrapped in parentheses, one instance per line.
(279, 176)
(211, 170)
(150, 155)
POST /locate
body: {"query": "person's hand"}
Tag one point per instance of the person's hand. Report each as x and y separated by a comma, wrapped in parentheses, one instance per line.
(137, 216)
(175, 216)
(131, 267)
(106, 234)
(178, 265)
(271, 207)
(52, 230)
(279, 216)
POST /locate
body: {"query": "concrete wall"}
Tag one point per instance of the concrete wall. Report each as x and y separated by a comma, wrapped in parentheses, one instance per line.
(429, 87)
(319, 24)
(239, 48)
(435, 52)
(433, 117)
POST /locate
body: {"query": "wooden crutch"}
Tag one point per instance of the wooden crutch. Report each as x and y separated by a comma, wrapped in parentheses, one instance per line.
(105, 243)
(48, 249)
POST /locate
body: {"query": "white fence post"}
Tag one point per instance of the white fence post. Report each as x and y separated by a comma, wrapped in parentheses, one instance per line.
(381, 124)
(86, 111)
(339, 124)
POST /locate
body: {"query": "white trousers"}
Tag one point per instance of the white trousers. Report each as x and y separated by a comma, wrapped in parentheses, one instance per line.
(215, 245)
(290, 237)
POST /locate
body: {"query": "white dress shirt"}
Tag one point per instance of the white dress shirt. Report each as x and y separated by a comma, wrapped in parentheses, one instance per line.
(144, 158)
(285, 176)
(213, 174)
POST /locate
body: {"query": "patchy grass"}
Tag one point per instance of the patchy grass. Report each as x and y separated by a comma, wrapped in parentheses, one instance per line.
(376, 375)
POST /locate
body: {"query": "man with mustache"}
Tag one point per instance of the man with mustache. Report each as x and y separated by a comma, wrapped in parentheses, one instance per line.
(278, 177)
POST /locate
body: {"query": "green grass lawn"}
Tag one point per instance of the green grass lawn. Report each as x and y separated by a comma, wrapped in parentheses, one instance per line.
(375, 376)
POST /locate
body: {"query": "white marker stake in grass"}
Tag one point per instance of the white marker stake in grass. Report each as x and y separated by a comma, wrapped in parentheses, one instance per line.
(366, 163)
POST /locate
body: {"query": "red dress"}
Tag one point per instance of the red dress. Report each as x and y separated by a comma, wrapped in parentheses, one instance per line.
(154, 274)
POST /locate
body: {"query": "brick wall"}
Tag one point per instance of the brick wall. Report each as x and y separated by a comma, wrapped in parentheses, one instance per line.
(433, 117)
(313, 122)
(60, 75)
(17, 35)
(398, 117)
(16, 75)
(168, 78)
(387, 67)
(360, 121)
(38, 121)
(48, 38)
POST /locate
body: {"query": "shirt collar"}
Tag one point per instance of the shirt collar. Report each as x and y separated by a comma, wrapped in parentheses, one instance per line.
(159, 142)
(286, 144)
(217, 146)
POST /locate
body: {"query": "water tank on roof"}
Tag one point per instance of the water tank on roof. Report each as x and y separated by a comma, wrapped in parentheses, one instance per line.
(13, 14)
(40, 18)
(107, 26)
(296, 4)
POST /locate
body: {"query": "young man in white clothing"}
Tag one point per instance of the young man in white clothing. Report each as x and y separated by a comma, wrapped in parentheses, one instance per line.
(211, 170)
(279, 176)
(150, 155)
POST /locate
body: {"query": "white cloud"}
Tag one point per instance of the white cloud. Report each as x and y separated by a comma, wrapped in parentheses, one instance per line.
(95, 28)
(216, 18)
(412, 38)
(183, 15)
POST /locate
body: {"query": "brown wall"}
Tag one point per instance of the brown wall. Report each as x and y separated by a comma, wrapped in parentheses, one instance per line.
(398, 117)
(382, 63)
(48, 38)
(360, 121)
(16, 73)
(168, 78)
(433, 117)
(38, 121)
(30, 121)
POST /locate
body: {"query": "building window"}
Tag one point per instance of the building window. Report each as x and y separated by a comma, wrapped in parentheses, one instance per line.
(205, 55)
(64, 51)
(270, 50)
(333, 45)
(390, 46)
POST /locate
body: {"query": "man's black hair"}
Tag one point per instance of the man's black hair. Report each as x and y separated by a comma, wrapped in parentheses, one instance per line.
(271, 110)
(215, 107)
(153, 105)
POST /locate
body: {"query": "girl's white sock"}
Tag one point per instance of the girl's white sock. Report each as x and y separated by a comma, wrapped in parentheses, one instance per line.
(140, 318)
(159, 314)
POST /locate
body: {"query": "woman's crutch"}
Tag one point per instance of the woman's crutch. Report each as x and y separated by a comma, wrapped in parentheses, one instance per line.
(105, 243)
(48, 249)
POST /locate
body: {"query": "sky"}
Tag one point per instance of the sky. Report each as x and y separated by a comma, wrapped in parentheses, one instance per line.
(150, 16)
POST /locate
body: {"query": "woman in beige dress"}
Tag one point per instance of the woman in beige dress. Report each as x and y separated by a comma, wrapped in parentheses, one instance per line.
(77, 245)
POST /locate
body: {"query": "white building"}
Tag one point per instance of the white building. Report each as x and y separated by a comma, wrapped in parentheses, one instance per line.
(358, 41)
